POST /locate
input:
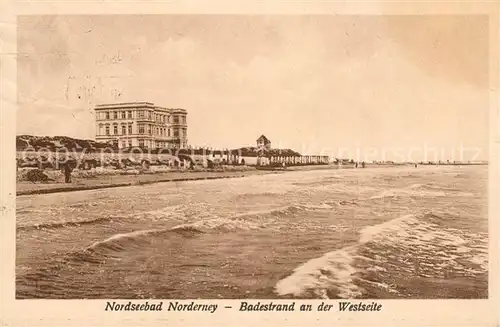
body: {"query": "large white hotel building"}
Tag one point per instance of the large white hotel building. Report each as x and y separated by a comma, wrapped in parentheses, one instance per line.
(141, 124)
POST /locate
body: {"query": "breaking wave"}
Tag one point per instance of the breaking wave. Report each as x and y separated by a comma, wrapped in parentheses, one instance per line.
(138, 239)
(264, 220)
(411, 245)
(421, 190)
(121, 242)
(56, 225)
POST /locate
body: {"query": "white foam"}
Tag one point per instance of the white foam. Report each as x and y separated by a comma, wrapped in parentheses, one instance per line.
(464, 194)
(123, 236)
(480, 259)
(166, 213)
(396, 225)
(376, 268)
(381, 285)
(211, 224)
(432, 247)
(414, 186)
(334, 270)
(337, 227)
(317, 206)
(462, 249)
(431, 251)
(265, 212)
(414, 190)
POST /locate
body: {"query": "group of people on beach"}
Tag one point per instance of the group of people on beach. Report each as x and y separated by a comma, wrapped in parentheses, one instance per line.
(362, 164)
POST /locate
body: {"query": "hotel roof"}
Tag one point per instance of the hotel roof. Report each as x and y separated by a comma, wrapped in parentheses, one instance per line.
(266, 140)
(135, 104)
(124, 104)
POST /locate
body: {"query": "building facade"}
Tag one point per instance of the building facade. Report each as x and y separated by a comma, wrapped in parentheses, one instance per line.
(141, 124)
(263, 143)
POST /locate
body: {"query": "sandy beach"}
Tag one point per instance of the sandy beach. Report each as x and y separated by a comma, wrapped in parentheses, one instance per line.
(110, 181)
(83, 180)
(89, 180)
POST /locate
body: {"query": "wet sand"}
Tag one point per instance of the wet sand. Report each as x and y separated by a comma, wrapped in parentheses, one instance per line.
(117, 180)
(110, 181)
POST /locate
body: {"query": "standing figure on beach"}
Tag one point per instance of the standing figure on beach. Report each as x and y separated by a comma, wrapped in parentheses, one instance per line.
(67, 172)
(363, 164)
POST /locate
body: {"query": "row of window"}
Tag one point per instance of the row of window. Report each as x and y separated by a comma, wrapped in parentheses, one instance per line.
(125, 144)
(150, 143)
(151, 130)
(160, 131)
(115, 115)
(154, 144)
(128, 114)
(147, 143)
(125, 129)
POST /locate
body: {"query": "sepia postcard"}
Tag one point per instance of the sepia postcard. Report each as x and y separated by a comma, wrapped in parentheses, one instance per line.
(247, 164)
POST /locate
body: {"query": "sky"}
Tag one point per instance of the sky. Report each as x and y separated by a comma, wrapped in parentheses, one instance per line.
(332, 85)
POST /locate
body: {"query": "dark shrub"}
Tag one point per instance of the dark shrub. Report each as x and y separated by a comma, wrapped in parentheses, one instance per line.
(37, 175)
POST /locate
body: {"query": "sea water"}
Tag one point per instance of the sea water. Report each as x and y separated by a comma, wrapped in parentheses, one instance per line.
(380, 233)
